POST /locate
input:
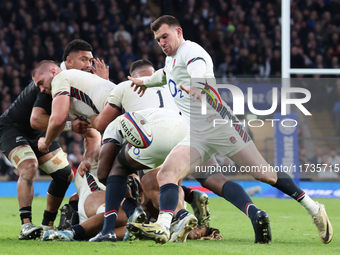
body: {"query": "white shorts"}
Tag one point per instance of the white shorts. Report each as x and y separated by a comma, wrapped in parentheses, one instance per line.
(84, 190)
(224, 140)
(167, 130)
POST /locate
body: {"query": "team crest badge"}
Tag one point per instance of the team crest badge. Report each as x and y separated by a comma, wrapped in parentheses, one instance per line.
(173, 64)
(233, 140)
(142, 122)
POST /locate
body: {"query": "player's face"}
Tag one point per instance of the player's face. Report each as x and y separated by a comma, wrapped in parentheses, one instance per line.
(81, 60)
(169, 38)
(43, 81)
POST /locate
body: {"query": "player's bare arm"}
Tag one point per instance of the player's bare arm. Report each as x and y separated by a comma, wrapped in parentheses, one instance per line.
(101, 69)
(39, 118)
(101, 121)
(92, 144)
(56, 124)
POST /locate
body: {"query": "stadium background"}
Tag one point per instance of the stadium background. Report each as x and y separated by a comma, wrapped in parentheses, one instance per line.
(243, 38)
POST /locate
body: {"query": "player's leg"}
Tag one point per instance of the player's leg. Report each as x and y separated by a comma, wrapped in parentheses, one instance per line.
(56, 165)
(182, 223)
(250, 156)
(24, 159)
(175, 168)
(116, 188)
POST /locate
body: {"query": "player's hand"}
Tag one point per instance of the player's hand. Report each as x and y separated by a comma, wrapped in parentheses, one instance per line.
(101, 69)
(193, 92)
(80, 126)
(84, 166)
(42, 146)
(138, 84)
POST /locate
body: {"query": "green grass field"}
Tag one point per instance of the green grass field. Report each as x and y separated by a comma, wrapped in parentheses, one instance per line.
(292, 230)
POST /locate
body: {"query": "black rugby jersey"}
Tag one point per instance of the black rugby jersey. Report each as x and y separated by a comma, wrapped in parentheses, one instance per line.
(19, 113)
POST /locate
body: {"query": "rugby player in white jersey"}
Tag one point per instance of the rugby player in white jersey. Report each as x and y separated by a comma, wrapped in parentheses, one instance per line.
(75, 93)
(167, 133)
(186, 60)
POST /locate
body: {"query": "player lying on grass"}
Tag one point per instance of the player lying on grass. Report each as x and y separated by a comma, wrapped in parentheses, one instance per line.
(91, 212)
(187, 63)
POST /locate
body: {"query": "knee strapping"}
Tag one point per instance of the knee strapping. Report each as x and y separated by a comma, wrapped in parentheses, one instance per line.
(60, 182)
(57, 162)
(21, 154)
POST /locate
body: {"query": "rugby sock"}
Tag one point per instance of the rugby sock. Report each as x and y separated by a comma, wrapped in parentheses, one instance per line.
(235, 194)
(287, 185)
(78, 232)
(181, 214)
(168, 200)
(188, 195)
(115, 192)
(25, 213)
(129, 206)
(49, 218)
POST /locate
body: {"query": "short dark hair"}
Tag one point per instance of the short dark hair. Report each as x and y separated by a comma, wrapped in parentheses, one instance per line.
(165, 19)
(75, 46)
(42, 66)
(138, 64)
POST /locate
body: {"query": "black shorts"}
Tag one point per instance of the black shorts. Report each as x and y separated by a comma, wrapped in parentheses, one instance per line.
(12, 137)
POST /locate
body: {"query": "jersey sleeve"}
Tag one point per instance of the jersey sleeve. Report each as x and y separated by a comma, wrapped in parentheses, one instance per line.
(195, 62)
(44, 101)
(116, 96)
(61, 85)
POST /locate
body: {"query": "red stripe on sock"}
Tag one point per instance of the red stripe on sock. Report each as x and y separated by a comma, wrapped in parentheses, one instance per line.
(299, 196)
(246, 208)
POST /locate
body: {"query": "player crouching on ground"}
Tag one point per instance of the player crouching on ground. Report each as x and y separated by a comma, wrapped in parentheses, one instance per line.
(91, 207)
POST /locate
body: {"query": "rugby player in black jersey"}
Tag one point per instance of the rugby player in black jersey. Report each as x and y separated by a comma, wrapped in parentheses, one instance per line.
(24, 123)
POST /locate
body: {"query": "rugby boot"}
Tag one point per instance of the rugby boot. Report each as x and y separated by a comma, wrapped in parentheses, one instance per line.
(200, 207)
(149, 231)
(29, 231)
(181, 228)
(323, 224)
(262, 227)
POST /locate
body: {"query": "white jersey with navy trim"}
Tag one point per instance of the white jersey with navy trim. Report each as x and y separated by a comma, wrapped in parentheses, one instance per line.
(176, 70)
(88, 92)
(125, 99)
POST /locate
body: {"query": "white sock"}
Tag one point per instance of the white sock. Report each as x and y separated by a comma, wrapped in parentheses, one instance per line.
(164, 220)
(310, 205)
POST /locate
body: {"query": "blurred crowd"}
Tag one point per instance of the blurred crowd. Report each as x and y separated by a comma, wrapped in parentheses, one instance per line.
(243, 38)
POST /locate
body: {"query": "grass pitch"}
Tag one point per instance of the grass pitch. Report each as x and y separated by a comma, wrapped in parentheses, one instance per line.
(292, 229)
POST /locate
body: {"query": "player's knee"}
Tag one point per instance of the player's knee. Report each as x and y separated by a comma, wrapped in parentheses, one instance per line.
(61, 181)
(28, 169)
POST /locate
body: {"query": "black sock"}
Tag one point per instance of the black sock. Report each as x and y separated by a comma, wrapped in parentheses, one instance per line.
(78, 232)
(287, 185)
(115, 192)
(129, 206)
(235, 194)
(188, 195)
(168, 198)
(74, 204)
(49, 216)
(25, 213)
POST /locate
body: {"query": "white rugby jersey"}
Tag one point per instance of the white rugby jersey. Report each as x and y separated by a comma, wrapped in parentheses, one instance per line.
(125, 99)
(88, 92)
(177, 74)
